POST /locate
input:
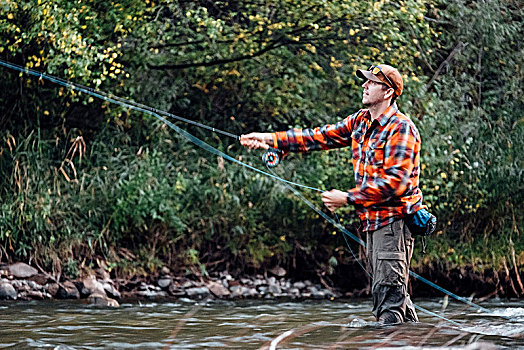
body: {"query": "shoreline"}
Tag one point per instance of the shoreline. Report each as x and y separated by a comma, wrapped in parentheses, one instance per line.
(20, 281)
(23, 282)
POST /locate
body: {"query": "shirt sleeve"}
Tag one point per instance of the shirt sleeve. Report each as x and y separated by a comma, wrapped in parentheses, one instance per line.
(401, 152)
(322, 138)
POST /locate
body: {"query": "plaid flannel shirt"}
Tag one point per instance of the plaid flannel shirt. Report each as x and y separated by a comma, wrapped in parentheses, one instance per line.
(386, 161)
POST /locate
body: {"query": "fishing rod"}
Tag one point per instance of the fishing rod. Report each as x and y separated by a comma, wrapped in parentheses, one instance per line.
(272, 155)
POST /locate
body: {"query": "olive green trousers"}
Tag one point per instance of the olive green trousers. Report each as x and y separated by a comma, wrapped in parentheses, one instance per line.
(389, 252)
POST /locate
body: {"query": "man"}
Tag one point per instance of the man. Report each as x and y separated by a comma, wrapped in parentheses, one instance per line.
(386, 159)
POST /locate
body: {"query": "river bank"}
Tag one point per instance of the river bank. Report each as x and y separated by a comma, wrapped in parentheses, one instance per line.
(20, 281)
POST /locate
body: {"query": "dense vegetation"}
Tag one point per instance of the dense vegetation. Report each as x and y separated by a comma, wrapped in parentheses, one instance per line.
(86, 183)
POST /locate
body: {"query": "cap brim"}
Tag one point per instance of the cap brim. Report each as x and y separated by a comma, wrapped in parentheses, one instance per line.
(365, 74)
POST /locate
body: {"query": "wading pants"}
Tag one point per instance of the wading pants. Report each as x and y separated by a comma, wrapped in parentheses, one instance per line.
(389, 251)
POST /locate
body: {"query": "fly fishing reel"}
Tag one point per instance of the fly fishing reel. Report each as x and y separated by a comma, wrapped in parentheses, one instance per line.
(271, 157)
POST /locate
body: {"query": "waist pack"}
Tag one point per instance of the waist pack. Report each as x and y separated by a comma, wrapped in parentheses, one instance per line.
(421, 223)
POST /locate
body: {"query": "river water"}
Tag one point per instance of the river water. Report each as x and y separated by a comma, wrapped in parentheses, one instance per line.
(187, 324)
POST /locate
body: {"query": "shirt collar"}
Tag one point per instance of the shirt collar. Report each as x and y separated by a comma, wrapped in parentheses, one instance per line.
(388, 113)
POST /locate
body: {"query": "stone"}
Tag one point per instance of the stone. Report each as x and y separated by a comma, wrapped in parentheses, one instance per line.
(299, 285)
(23, 296)
(294, 291)
(22, 270)
(285, 284)
(245, 281)
(111, 291)
(198, 292)
(244, 292)
(312, 289)
(237, 291)
(275, 289)
(102, 300)
(164, 282)
(262, 289)
(152, 294)
(7, 291)
(232, 283)
(34, 286)
(308, 283)
(278, 271)
(218, 289)
(145, 286)
(260, 282)
(188, 284)
(176, 291)
(318, 294)
(91, 286)
(20, 285)
(68, 290)
(165, 271)
(249, 292)
(52, 288)
(39, 278)
(35, 295)
(227, 277)
(103, 275)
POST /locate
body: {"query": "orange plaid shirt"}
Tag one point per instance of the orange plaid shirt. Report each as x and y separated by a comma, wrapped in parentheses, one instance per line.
(386, 161)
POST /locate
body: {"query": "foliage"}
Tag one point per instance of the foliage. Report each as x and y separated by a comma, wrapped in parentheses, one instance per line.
(473, 124)
(100, 181)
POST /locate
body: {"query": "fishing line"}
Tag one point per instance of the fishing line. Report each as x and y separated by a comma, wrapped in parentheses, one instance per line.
(351, 250)
(346, 232)
(105, 96)
(200, 143)
(413, 274)
(154, 112)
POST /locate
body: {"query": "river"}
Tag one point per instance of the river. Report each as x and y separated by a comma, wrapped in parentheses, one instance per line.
(254, 324)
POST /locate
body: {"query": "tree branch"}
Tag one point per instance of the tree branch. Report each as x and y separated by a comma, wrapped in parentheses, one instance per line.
(216, 62)
(445, 63)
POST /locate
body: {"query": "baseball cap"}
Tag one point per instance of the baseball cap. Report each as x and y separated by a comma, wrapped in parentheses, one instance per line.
(384, 74)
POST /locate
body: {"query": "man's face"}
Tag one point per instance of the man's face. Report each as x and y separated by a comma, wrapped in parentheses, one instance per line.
(373, 93)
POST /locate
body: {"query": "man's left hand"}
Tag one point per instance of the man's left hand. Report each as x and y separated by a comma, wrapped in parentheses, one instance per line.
(334, 199)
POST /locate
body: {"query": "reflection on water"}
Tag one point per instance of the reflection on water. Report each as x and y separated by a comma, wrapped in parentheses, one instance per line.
(186, 324)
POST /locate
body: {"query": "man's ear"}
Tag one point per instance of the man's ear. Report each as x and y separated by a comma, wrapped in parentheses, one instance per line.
(389, 93)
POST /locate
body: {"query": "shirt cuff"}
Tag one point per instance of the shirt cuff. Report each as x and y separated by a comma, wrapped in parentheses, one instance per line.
(351, 197)
(275, 140)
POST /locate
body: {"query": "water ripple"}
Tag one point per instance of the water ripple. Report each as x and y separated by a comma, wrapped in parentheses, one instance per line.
(248, 325)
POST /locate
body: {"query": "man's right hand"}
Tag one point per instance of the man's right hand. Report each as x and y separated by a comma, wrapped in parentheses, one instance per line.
(256, 140)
